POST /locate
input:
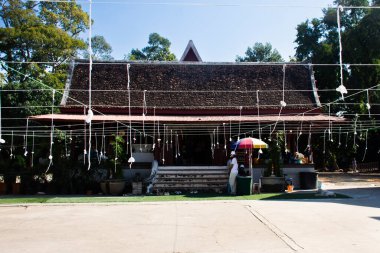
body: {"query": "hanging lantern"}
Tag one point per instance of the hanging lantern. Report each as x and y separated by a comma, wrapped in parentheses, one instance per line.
(342, 90)
(89, 117)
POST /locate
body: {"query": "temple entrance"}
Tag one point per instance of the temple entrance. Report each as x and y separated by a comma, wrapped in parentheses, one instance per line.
(197, 150)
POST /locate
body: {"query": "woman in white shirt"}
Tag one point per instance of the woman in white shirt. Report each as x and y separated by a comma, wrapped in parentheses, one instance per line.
(233, 173)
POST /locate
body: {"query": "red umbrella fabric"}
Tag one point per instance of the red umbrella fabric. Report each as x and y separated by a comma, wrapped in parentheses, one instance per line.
(247, 143)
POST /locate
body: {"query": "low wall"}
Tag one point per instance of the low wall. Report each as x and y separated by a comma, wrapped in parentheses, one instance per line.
(289, 171)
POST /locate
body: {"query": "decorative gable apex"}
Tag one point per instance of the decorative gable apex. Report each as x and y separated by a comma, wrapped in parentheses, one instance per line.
(191, 53)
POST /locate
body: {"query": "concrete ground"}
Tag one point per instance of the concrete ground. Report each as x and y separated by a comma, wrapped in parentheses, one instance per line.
(330, 225)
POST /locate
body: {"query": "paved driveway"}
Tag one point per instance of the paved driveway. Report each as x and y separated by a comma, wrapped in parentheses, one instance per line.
(333, 225)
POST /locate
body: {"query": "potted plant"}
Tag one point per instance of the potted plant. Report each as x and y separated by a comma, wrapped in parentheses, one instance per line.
(2, 185)
(273, 179)
(115, 183)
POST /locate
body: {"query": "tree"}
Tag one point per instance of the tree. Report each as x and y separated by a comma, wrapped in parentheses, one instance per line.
(158, 49)
(40, 32)
(37, 39)
(260, 53)
(101, 49)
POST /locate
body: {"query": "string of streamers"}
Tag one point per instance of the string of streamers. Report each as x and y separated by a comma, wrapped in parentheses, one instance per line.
(66, 154)
(346, 139)
(368, 105)
(12, 147)
(163, 148)
(90, 114)
(32, 150)
(339, 142)
(84, 139)
(131, 159)
(330, 124)
(258, 112)
(96, 149)
(285, 144)
(240, 108)
(224, 138)
(355, 132)
(282, 102)
(171, 139)
(230, 131)
(51, 132)
(178, 153)
(26, 138)
(167, 138)
(145, 111)
(298, 135)
(154, 128)
(341, 89)
(116, 145)
(217, 137)
(324, 141)
(2, 141)
(309, 138)
(300, 132)
(366, 144)
(102, 146)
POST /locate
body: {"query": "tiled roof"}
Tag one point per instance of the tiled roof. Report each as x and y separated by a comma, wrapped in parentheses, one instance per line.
(191, 85)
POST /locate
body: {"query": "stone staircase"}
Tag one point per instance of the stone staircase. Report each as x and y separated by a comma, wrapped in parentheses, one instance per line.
(191, 178)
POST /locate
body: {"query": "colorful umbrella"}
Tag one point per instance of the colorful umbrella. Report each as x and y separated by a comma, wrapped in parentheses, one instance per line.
(249, 143)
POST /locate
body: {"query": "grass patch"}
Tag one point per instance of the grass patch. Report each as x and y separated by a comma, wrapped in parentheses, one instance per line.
(186, 197)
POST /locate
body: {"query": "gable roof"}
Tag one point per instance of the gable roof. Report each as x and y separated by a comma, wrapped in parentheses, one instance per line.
(203, 87)
(191, 53)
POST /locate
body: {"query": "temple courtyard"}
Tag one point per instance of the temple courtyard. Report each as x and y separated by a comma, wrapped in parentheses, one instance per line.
(314, 225)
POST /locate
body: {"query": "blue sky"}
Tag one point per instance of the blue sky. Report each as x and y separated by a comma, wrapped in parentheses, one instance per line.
(220, 29)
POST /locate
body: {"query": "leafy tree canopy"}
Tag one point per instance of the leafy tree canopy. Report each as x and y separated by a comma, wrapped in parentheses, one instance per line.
(158, 49)
(36, 40)
(101, 49)
(318, 42)
(260, 53)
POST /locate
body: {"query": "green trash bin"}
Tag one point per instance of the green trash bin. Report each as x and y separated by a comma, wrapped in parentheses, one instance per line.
(243, 185)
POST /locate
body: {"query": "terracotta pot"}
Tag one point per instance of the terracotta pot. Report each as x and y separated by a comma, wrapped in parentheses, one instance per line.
(16, 188)
(113, 186)
(3, 188)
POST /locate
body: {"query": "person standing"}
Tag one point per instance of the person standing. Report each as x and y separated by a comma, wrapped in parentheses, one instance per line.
(233, 173)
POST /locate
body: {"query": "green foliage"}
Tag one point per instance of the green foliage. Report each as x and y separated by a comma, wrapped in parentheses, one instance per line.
(260, 53)
(274, 162)
(101, 49)
(318, 43)
(158, 49)
(119, 157)
(37, 32)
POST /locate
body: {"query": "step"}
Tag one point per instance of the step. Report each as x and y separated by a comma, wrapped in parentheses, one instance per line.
(191, 182)
(171, 188)
(192, 168)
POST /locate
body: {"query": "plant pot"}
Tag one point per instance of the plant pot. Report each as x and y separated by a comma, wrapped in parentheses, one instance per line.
(272, 184)
(113, 186)
(3, 188)
(16, 188)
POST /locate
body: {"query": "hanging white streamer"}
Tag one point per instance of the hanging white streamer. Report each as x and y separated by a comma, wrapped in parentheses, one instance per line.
(145, 111)
(51, 133)
(258, 112)
(131, 159)
(366, 144)
(32, 149)
(12, 147)
(2, 141)
(90, 114)
(26, 138)
(368, 105)
(240, 108)
(342, 89)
